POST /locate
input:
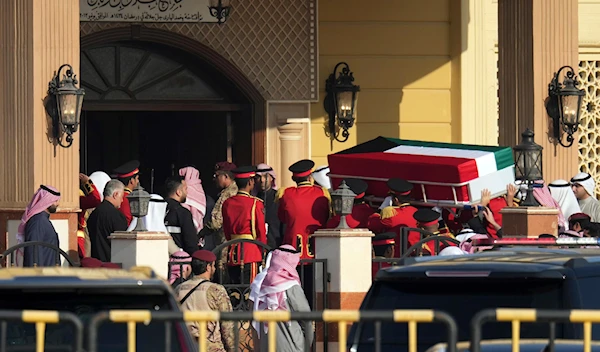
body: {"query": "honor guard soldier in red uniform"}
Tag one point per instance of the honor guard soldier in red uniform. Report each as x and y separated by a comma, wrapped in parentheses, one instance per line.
(383, 247)
(129, 175)
(244, 218)
(89, 198)
(361, 211)
(303, 210)
(398, 215)
(427, 220)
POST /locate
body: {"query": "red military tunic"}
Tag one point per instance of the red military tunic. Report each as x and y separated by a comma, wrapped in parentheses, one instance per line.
(89, 198)
(392, 219)
(359, 219)
(303, 209)
(244, 217)
(125, 209)
(495, 206)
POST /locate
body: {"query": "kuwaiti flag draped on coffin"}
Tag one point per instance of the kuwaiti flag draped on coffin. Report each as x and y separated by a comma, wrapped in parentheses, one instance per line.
(465, 168)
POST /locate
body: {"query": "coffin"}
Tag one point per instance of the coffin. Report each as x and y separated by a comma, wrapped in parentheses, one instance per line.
(443, 173)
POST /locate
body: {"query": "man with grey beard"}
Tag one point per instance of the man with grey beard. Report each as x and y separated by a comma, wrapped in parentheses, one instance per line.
(107, 219)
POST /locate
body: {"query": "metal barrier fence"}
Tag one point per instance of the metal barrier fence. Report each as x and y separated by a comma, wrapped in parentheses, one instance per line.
(312, 272)
(41, 319)
(131, 318)
(58, 253)
(416, 249)
(518, 316)
(341, 317)
(425, 236)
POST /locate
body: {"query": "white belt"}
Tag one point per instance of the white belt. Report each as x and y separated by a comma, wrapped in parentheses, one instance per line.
(174, 229)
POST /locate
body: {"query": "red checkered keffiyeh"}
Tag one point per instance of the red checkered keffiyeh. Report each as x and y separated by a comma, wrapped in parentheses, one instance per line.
(281, 276)
(43, 198)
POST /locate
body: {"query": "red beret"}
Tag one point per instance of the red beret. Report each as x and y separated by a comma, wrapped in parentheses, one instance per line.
(90, 262)
(225, 166)
(579, 216)
(205, 256)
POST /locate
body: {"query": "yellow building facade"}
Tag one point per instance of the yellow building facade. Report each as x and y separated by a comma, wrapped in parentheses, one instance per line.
(405, 56)
(251, 90)
(428, 70)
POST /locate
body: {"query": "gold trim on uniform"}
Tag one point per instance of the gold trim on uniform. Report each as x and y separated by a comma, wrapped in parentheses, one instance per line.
(88, 188)
(280, 193)
(388, 212)
(300, 244)
(253, 219)
(233, 251)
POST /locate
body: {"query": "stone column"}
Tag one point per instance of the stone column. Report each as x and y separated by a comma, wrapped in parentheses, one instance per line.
(535, 39)
(349, 257)
(145, 248)
(290, 149)
(36, 38)
(478, 79)
(288, 138)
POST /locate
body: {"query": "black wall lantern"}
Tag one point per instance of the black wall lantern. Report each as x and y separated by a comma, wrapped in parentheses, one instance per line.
(340, 101)
(65, 105)
(528, 165)
(564, 105)
(220, 10)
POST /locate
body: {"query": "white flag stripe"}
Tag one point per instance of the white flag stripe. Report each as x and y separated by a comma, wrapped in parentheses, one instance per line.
(486, 161)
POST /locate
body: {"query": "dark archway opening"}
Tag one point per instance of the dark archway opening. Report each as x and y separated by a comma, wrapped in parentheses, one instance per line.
(163, 106)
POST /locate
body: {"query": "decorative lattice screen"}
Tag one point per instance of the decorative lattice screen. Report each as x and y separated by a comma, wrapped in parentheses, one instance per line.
(589, 130)
(273, 42)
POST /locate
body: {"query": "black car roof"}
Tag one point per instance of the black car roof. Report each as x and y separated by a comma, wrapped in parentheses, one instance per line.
(519, 261)
(59, 277)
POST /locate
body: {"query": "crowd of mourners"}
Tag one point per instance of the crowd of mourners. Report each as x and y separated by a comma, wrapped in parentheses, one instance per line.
(251, 214)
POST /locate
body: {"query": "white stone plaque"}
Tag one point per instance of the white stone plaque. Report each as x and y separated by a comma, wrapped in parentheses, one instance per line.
(173, 11)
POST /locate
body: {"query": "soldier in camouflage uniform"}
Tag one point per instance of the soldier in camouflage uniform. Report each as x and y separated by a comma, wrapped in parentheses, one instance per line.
(198, 294)
(224, 179)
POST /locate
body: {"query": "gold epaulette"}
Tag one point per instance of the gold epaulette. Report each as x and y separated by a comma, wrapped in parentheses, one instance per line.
(326, 193)
(448, 233)
(388, 212)
(280, 193)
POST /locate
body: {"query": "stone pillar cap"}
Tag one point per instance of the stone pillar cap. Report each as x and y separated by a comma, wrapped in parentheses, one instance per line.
(529, 210)
(343, 233)
(139, 235)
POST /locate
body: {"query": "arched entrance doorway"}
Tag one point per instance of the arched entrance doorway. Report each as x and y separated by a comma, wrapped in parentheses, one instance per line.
(168, 101)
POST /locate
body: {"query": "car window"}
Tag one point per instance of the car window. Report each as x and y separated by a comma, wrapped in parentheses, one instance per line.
(111, 337)
(461, 298)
